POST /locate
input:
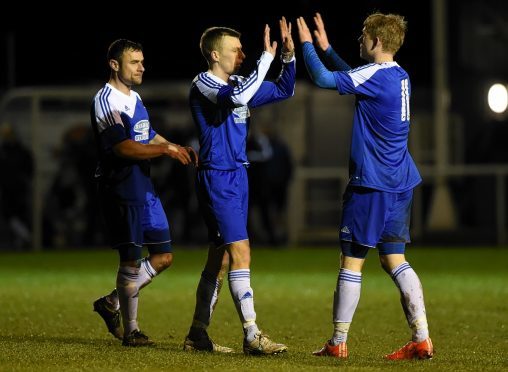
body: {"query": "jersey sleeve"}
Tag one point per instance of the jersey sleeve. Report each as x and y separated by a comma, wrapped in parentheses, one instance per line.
(242, 91)
(318, 72)
(333, 60)
(108, 118)
(361, 81)
(284, 87)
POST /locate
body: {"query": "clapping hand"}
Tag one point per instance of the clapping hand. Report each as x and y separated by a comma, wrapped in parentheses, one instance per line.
(270, 47)
(320, 33)
(288, 46)
(303, 31)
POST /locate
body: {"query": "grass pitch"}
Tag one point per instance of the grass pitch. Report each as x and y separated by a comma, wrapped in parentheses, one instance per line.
(47, 322)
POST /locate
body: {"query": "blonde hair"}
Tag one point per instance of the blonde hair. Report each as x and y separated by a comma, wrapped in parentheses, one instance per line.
(389, 28)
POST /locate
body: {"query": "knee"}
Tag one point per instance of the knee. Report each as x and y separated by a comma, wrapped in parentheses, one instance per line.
(167, 260)
(162, 261)
(239, 253)
(391, 261)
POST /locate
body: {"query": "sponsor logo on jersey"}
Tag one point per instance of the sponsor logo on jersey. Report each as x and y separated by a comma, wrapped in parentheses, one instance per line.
(142, 130)
(240, 114)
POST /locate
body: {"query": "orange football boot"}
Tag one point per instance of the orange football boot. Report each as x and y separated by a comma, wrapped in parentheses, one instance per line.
(337, 351)
(413, 350)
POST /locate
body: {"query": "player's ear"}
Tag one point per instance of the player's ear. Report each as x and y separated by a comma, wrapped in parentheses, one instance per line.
(377, 42)
(214, 55)
(114, 65)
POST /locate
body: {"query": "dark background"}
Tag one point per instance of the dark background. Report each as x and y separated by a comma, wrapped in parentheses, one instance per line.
(68, 51)
(46, 48)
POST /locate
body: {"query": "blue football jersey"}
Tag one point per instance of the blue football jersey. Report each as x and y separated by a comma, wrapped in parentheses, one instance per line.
(379, 156)
(221, 112)
(116, 117)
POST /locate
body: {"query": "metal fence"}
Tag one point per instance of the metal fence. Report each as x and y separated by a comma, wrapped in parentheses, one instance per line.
(315, 124)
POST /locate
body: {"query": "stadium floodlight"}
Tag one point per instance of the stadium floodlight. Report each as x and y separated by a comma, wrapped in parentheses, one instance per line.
(498, 98)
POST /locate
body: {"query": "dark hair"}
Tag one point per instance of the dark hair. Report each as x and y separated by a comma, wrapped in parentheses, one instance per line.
(118, 47)
(212, 38)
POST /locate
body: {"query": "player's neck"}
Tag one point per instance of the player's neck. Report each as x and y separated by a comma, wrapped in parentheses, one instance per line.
(120, 85)
(219, 73)
(383, 58)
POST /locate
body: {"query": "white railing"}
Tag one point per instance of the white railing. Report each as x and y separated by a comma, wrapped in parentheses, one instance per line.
(299, 203)
(314, 124)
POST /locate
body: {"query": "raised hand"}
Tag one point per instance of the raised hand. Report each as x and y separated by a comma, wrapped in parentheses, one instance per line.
(303, 30)
(269, 47)
(288, 46)
(320, 33)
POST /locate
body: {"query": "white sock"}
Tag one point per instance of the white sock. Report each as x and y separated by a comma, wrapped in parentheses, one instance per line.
(243, 297)
(146, 273)
(207, 296)
(411, 298)
(345, 301)
(128, 291)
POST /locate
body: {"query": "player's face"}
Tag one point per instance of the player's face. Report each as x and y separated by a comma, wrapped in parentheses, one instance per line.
(366, 44)
(231, 55)
(131, 67)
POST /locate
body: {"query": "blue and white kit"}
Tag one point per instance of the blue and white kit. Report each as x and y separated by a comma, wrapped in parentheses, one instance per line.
(221, 113)
(133, 213)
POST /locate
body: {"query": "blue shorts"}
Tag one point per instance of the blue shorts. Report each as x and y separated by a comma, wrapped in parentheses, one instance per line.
(375, 219)
(130, 226)
(224, 201)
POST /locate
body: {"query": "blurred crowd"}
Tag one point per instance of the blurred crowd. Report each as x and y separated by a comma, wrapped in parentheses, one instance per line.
(70, 217)
(17, 165)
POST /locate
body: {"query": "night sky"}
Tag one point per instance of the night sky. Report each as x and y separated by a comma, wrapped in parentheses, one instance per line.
(53, 50)
(70, 53)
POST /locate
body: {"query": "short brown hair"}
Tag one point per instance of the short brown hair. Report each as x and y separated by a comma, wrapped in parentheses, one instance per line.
(389, 28)
(118, 47)
(212, 37)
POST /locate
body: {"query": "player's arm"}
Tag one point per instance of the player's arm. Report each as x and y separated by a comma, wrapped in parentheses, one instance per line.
(133, 150)
(319, 74)
(330, 57)
(158, 139)
(284, 86)
(245, 89)
(333, 60)
(112, 132)
(226, 95)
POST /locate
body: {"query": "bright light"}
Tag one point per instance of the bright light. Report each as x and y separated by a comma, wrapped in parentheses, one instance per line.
(498, 98)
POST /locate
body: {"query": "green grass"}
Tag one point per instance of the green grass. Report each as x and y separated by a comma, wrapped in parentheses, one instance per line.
(47, 323)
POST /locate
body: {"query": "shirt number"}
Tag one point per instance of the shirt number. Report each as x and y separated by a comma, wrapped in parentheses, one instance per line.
(404, 109)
